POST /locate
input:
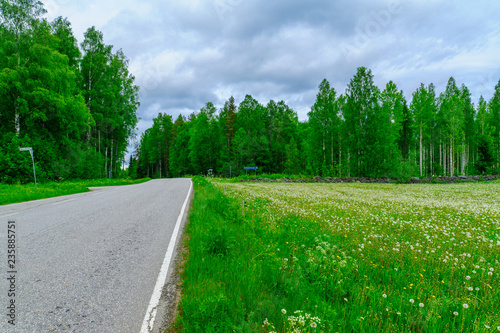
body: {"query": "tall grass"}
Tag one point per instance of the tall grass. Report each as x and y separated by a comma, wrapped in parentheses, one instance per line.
(343, 258)
(19, 193)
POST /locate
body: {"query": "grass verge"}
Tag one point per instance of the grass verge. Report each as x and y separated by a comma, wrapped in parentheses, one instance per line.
(233, 279)
(342, 258)
(19, 193)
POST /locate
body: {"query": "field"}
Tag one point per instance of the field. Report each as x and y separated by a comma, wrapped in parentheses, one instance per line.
(343, 258)
(19, 193)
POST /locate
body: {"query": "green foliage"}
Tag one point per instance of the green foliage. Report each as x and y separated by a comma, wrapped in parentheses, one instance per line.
(218, 241)
(362, 119)
(365, 132)
(76, 111)
(485, 157)
(324, 140)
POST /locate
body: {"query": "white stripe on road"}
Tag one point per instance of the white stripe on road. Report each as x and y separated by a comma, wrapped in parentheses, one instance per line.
(8, 215)
(149, 319)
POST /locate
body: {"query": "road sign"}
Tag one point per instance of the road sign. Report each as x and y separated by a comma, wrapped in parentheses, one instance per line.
(251, 168)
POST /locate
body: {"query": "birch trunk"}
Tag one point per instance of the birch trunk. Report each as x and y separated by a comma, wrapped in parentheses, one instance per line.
(452, 162)
(106, 162)
(340, 158)
(332, 150)
(421, 154)
(111, 161)
(99, 145)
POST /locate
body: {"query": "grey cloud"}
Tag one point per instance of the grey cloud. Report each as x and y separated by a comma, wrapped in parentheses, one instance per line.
(283, 49)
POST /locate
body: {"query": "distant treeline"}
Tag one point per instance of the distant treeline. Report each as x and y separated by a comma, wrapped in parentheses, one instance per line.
(365, 132)
(76, 106)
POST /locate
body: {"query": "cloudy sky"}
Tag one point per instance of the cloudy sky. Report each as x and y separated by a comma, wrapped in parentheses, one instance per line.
(185, 53)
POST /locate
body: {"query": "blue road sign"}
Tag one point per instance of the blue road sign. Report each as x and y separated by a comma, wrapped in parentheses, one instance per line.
(251, 168)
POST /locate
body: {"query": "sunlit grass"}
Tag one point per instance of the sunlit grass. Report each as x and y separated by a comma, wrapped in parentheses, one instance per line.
(20, 193)
(358, 257)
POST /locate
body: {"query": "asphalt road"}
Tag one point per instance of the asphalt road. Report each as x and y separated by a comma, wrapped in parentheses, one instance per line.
(88, 262)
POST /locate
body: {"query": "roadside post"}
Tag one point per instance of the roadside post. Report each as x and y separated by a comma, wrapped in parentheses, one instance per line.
(30, 149)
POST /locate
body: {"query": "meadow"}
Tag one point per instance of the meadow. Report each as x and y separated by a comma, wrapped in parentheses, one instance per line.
(342, 258)
(25, 192)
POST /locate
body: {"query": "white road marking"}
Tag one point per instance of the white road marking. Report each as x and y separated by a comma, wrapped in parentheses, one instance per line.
(149, 319)
(8, 215)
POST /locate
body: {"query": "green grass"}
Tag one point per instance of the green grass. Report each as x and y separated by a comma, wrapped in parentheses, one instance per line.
(19, 193)
(349, 257)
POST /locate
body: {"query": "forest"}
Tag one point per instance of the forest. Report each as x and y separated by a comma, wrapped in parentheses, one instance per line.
(364, 132)
(74, 104)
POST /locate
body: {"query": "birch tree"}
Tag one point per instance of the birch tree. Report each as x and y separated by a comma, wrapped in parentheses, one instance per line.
(494, 124)
(18, 18)
(423, 108)
(361, 104)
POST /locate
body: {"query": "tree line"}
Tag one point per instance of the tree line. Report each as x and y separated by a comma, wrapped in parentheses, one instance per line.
(74, 104)
(364, 132)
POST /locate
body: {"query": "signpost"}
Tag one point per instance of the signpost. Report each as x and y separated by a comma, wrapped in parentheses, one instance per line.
(251, 168)
(30, 149)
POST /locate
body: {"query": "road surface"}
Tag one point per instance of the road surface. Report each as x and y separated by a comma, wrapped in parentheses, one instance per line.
(87, 262)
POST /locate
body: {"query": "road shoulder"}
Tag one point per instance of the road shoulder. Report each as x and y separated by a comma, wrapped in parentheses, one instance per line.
(171, 293)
